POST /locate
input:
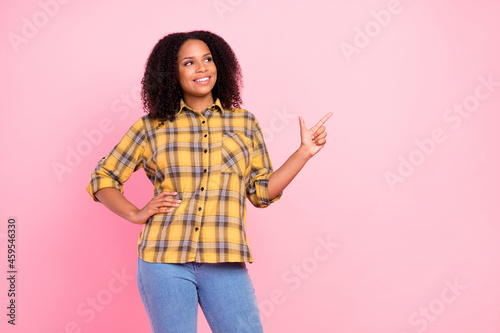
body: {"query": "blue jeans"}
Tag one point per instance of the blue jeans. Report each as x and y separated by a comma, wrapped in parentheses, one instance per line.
(171, 293)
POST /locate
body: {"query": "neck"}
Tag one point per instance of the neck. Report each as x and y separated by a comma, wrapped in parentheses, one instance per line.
(199, 104)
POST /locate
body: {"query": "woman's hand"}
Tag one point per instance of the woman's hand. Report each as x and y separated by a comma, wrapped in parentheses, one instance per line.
(314, 139)
(159, 204)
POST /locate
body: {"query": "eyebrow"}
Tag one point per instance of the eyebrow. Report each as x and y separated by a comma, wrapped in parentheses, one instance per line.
(193, 57)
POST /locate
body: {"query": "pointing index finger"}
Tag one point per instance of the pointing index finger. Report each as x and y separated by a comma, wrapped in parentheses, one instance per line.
(322, 121)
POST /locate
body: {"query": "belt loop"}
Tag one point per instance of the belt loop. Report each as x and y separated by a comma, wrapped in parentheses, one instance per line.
(196, 266)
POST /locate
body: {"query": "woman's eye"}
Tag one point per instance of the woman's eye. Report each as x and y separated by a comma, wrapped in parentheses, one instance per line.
(187, 63)
(208, 59)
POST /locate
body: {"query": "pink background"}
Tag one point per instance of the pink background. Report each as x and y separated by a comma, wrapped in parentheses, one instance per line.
(418, 254)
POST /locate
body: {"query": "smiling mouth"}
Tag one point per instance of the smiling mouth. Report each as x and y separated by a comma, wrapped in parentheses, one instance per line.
(203, 79)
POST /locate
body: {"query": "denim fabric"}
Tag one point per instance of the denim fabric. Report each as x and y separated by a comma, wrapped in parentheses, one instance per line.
(171, 293)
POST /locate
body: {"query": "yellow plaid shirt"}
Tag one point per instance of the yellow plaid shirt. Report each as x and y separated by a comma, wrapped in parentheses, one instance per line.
(214, 161)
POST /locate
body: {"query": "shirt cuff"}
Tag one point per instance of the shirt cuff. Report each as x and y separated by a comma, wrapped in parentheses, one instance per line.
(98, 184)
(261, 188)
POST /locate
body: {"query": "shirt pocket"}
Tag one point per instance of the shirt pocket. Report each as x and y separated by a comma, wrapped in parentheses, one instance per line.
(235, 153)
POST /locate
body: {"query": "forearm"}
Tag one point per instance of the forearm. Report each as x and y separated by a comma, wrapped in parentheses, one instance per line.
(287, 172)
(114, 200)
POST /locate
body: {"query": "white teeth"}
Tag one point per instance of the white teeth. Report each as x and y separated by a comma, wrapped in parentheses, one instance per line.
(202, 80)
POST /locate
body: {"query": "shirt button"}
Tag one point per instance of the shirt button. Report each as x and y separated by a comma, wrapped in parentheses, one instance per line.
(199, 208)
(196, 229)
(205, 170)
(205, 151)
(203, 122)
(203, 189)
(204, 136)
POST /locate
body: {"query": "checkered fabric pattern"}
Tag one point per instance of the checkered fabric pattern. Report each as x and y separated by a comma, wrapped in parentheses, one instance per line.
(214, 160)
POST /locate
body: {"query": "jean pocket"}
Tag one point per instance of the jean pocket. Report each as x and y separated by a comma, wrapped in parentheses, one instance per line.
(235, 153)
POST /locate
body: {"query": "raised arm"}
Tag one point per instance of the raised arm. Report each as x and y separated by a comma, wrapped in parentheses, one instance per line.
(312, 141)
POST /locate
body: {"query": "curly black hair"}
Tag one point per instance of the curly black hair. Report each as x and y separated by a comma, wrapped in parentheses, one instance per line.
(161, 92)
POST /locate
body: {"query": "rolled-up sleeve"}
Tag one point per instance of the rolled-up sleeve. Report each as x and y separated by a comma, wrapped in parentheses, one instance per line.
(125, 158)
(261, 171)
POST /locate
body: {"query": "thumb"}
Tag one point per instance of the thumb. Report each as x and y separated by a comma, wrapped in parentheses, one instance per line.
(302, 125)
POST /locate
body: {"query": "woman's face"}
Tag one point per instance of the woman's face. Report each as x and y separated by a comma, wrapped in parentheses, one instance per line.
(196, 70)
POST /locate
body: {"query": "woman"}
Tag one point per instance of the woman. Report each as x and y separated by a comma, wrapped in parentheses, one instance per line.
(205, 156)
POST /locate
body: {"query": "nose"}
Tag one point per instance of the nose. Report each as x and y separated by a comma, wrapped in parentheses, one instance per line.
(201, 67)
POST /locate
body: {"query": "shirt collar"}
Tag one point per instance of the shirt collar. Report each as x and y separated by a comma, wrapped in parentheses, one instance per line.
(214, 107)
